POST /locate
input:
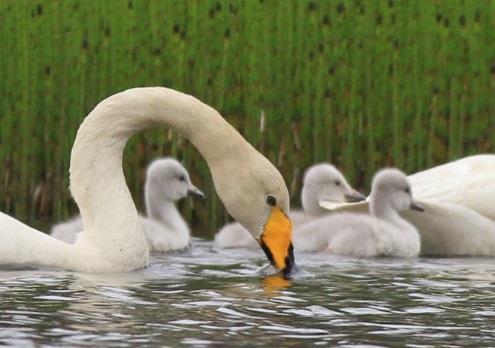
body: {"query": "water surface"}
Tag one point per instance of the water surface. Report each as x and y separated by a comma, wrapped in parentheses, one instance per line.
(209, 297)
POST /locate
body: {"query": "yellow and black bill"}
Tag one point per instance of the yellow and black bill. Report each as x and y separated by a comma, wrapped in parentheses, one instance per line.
(276, 241)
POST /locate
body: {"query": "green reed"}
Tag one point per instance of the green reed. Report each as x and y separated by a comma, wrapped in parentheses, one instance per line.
(362, 84)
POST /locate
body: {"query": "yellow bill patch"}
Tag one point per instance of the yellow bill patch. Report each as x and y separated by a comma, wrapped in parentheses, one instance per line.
(276, 239)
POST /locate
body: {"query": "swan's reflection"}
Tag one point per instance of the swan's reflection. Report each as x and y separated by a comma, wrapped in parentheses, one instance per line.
(216, 299)
(272, 284)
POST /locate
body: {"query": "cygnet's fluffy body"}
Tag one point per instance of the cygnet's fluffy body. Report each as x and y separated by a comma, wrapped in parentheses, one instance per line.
(383, 233)
(167, 181)
(321, 182)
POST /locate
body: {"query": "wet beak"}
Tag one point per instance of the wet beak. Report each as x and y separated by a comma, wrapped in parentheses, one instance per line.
(416, 206)
(354, 197)
(193, 191)
(276, 241)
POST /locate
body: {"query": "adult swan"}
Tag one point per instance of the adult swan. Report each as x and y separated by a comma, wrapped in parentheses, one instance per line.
(250, 187)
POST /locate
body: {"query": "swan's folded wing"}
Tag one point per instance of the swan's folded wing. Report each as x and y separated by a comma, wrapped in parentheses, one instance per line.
(452, 230)
(446, 190)
(359, 207)
(479, 193)
(469, 182)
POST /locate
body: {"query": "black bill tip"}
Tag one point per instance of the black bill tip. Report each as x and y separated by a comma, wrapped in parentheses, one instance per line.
(290, 262)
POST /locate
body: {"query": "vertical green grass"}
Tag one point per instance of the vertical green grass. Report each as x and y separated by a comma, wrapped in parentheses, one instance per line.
(362, 84)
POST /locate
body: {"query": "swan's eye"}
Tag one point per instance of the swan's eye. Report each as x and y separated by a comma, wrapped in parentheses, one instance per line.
(407, 190)
(337, 182)
(271, 200)
(182, 178)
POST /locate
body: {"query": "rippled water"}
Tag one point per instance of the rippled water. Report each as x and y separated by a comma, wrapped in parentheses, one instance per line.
(208, 297)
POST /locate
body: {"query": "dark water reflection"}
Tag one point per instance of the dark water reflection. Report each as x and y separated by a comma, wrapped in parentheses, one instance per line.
(211, 298)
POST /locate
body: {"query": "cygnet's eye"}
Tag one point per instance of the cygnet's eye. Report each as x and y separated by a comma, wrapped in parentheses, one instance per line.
(182, 178)
(337, 182)
(407, 190)
(271, 200)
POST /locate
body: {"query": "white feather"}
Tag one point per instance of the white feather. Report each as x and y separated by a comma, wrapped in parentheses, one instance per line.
(113, 239)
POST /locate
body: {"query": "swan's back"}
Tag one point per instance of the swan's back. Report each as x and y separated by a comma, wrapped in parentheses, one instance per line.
(450, 230)
(469, 182)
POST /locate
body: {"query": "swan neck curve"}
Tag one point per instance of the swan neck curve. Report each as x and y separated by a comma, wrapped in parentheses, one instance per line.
(309, 202)
(97, 179)
(164, 211)
(382, 208)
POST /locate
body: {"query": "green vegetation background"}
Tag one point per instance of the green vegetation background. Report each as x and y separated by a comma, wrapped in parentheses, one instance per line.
(362, 84)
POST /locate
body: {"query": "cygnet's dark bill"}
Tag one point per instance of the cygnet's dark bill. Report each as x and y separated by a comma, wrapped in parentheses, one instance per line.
(354, 197)
(276, 241)
(193, 191)
(416, 206)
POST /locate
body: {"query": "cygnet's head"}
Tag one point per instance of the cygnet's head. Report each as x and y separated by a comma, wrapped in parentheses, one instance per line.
(167, 179)
(391, 190)
(323, 182)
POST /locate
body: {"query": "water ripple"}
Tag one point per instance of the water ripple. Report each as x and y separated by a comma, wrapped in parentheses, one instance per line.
(208, 297)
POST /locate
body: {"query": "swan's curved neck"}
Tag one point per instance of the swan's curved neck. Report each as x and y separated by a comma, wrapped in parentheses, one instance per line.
(164, 211)
(382, 209)
(97, 179)
(309, 202)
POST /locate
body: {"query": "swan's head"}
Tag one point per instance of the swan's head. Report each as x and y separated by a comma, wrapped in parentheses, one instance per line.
(324, 183)
(391, 188)
(254, 193)
(167, 179)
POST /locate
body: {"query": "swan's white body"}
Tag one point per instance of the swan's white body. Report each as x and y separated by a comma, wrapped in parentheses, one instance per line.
(459, 216)
(382, 233)
(453, 230)
(167, 181)
(321, 182)
(468, 182)
(113, 239)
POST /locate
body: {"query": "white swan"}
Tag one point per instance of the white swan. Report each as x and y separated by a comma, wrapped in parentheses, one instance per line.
(167, 181)
(321, 182)
(250, 187)
(468, 182)
(458, 216)
(382, 233)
